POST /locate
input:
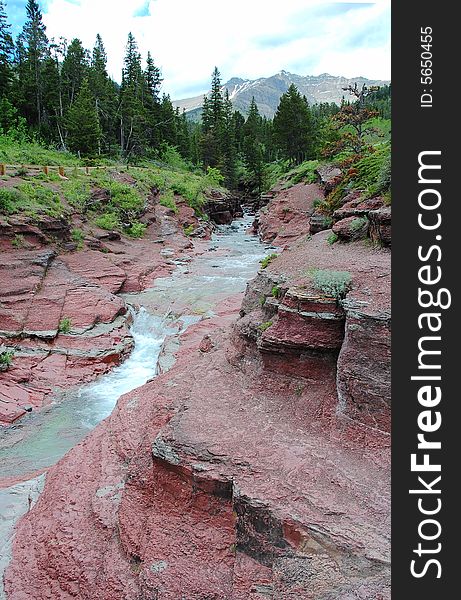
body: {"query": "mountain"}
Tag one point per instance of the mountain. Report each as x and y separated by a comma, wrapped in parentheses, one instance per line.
(268, 90)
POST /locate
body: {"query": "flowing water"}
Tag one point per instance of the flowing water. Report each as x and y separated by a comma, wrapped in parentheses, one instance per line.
(168, 308)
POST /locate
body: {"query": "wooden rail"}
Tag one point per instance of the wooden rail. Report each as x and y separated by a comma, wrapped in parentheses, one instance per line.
(6, 169)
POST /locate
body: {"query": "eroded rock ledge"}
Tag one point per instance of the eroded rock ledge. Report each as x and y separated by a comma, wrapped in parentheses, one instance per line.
(62, 313)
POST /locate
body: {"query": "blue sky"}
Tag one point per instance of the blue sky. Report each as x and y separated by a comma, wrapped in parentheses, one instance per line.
(244, 38)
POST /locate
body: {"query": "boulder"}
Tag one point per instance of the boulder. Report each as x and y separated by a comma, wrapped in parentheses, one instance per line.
(351, 228)
(319, 222)
(328, 175)
(357, 207)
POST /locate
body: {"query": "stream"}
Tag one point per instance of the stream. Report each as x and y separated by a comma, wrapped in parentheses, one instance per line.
(174, 303)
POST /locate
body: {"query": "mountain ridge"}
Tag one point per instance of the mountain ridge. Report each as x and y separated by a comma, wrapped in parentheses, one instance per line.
(268, 90)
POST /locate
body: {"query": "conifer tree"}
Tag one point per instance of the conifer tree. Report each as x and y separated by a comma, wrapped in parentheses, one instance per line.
(227, 139)
(132, 114)
(74, 71)
(84, 132)
(152, 103)
(36, 46)
(253, 148)
(105, 94)
(6, 52)
(293, 126)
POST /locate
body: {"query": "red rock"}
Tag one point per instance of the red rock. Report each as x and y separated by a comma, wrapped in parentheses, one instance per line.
(355, 206)
(98, 268)
(165, 498)
(206, 345)
(351, 228)
(328, 175)
(287, 216)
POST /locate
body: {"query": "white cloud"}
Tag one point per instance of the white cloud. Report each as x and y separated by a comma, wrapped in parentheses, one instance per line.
(189, 37)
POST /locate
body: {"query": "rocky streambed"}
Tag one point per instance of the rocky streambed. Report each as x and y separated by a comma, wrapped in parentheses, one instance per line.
(255, 465)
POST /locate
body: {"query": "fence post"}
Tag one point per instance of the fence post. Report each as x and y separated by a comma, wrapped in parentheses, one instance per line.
(2, 169)
(61, 171)
(87, 170)
(45, 170)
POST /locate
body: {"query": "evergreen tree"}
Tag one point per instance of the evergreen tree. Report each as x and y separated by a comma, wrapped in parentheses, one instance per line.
(74, 70)
(168, 122)
(132, 113)
(216, 100)
(253, 148)
(105, 94)
(213, 121)
(6, 52)
(293, 127)
(84, 132)
(152, 103)
(35, 43)
(153, 79)
(239, 122)
(226, 132)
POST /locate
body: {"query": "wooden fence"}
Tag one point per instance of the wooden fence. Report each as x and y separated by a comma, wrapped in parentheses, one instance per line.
(12, 169)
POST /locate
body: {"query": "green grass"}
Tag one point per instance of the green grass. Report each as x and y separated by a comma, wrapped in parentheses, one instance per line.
(332, 239)
(32, 199)
(358, 223)
(109, 221)
(167, 200)
(265, 262)
(137, 230)
(14, 152)
(77, 193)
(305, 172)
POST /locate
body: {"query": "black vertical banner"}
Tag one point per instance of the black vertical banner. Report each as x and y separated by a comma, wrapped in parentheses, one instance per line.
(426, 268)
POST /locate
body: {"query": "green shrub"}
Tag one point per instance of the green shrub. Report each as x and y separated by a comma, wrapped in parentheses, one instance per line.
(124, 198)
(65, 325)
(265, 262)
(320, 204)
(77, 235)
(10, 200)
(358, 223)
(137, 230)
(6, 357)
(39, 199)
(18, 241)
(21, 172)
(276, 291)
(265, 326)
(167, 200)
(214, 176)
(189, 230)
(332, 239)
(109, 221)
(332, 283)
(77, 193)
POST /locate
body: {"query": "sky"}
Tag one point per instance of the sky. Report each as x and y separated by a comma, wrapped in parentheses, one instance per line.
(243, 38)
